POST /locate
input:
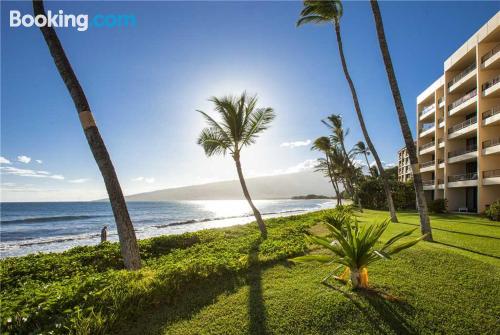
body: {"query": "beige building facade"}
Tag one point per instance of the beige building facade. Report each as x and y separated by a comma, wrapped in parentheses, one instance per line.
(404, 166)
(458, 125)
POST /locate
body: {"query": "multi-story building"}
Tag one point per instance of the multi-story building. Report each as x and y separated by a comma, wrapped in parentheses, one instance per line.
(404, 166)
(458, 125)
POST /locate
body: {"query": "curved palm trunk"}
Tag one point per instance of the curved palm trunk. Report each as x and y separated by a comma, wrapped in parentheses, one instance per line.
(256, 213)
(126, 233)
(368, 164)
(385, 183)
(334, 182)
(425, 225)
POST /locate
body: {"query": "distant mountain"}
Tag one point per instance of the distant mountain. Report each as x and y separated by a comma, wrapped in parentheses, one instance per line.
(270, 187)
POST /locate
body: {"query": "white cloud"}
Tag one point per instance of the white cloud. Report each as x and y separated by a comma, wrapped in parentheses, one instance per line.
(24, 159)
(4, 160)
(295, 144)
(148, 180)
(306, 165)
(10, 170)
(78, 181)
(39, 161)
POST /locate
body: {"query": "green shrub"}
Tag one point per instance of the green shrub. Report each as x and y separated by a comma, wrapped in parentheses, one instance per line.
(372, 195)
(493, 211)
(437, 206)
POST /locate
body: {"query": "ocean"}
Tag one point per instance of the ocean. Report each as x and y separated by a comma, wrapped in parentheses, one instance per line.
(56, 226)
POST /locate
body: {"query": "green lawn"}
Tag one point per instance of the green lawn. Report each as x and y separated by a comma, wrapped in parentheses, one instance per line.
(451, 286)
(228, 282)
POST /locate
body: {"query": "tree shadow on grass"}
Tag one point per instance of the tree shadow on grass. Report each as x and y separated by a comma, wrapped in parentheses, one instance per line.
(256, 307)
(382, 307)
(466, 249)
(454, 232)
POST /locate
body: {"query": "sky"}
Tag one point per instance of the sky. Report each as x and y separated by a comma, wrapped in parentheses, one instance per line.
(145, 83)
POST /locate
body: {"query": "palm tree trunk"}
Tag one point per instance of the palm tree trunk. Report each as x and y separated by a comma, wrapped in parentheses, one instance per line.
(334, 183)
(368, 164)
(385, 183)
(256, 213)
(425, 224)
(126, 233)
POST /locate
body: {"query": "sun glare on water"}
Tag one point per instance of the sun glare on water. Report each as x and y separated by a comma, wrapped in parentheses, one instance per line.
(226, 208)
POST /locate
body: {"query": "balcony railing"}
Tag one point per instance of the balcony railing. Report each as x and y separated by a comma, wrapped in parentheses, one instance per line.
(490, 83)
(490, 53)
(491, 143)
(427, 109)
(489, 113)
(463, 177)
(428, 182)
(456, 153)
(427, 164)
(440, 100)
(427, 145)
(462, 125)
(491, 173)
(463, 99)
(426, 126)
(462, 74)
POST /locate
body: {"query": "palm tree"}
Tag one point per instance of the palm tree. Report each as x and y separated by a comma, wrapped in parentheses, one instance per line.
(126, 233)
(334, 122)
(241, 123)
(361, 149)
(324, 145)
(330, 11)
(425, 224)
(355, 248)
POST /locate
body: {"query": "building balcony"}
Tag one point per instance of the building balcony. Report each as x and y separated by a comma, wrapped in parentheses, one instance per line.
(463, 128)
(440, 183)
(440, 122)
(440, 163)
(491, 147)
(491, 177)
(463, 104)
(465, 79)
(463, 180)
(491, 60)
(427, 129)
(428, 184)
(463, 155)
(492, 88)
(426, 148)
(492, 117)
(427, 166)
(427, 112)
(441, 143)
(441, 102)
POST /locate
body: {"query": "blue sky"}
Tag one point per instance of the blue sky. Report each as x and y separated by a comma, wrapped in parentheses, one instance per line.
(144, 84)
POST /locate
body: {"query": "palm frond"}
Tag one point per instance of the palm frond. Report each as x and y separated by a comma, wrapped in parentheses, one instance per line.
(213, 142)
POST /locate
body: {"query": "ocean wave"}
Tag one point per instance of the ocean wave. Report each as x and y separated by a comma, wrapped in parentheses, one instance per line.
(41, 219)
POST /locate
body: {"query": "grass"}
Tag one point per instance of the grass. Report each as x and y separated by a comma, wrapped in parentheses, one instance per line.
(230, 282)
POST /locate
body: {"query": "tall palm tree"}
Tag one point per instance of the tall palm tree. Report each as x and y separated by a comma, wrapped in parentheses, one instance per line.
(361, 149)
(324, 145)
(330, 11)
(126, 233)
(241, 123)
(425, 224)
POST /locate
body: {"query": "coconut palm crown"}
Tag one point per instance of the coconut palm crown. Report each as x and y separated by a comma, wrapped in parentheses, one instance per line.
(320, 12)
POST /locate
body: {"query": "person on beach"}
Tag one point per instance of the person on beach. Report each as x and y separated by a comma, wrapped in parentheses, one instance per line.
(104, 234)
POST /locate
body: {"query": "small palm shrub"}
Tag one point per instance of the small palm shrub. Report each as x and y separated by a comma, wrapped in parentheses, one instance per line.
(437, 206)
(493, 211)
(354, 249)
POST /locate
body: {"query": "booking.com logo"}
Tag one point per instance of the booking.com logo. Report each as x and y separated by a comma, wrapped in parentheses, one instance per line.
(81, 21)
